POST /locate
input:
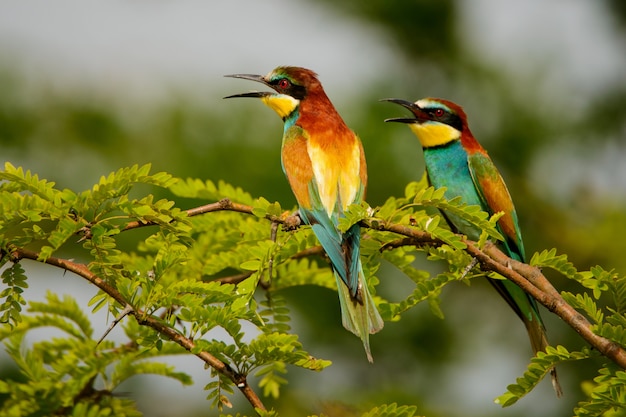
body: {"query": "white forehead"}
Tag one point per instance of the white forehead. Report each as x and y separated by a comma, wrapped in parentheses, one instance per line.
(431, 104)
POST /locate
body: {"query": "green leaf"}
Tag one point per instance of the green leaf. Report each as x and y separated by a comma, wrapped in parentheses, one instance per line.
(391, 410)
(585, 303)
(605, 395)
(538, 368)
(64, 313)
(616, 333)
(208, 190)
(431, 197)
(560, 263)
(129, 367)
(353, 214)
(270, 380)
(424, 290)
(14, 278)
(252, 265)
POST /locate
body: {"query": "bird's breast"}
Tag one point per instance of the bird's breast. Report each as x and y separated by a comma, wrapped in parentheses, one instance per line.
(336, 162)
(447, 167)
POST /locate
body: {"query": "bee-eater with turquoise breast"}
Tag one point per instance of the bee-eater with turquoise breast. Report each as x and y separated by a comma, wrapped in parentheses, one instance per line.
(325, 165)
(455, 160)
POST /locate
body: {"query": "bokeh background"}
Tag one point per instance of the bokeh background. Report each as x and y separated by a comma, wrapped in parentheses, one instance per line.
(87, 87)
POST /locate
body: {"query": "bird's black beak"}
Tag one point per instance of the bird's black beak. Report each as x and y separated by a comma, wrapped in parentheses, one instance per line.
(253, 77)
(418, 113)
(257, 94)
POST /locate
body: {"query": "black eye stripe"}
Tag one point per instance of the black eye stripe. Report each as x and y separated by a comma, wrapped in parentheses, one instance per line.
(440, 115)
(294, 90)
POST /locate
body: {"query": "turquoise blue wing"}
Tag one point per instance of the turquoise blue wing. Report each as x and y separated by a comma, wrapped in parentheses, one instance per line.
(342, 249)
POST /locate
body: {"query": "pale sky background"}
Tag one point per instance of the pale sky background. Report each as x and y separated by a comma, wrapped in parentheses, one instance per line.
(143, 45)
(143, 50)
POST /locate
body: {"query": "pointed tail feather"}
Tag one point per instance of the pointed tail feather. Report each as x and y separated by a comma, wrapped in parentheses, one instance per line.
(359, 317)
(358, 311)
(528, 311)
(539, 342)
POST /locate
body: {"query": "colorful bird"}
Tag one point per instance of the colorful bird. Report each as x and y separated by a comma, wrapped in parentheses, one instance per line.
(455, 160)
(325, 165)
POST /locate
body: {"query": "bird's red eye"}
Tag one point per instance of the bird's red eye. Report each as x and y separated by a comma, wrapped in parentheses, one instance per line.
(284, 83)
(439, 112)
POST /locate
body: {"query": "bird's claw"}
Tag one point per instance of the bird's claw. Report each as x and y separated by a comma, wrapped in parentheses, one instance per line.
(292, 222)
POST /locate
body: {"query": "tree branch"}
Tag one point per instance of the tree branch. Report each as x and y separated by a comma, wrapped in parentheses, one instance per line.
(222, 205)
(81, 270)
(490, 258)
(527, 277)
(543, 291)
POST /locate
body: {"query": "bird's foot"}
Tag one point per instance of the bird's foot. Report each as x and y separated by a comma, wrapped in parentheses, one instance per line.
(292, 222)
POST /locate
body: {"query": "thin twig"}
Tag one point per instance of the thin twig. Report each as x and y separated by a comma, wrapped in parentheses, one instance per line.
(222, 205)
(234, 279)
(127, 310)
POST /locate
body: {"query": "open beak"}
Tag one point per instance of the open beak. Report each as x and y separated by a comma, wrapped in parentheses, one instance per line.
(419, 114)
(257, 94)
(257, 78)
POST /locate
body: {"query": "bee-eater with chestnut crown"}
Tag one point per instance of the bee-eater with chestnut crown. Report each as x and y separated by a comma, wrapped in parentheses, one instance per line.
(325, 165)
(455, 160)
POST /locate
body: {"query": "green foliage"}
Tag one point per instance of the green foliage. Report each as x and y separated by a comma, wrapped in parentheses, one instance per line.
(207, 190)
(426, 288)
(385, 410)
(607, 395)
(539, 367)
(560, 263)
(69, 374)
(391, 410)
(275, 313)
(15, 280)
(415, 209)
(178, 275)
(431, 197)
(192, 273)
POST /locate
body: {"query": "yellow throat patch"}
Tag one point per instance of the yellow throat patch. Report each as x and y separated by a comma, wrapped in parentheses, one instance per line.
(434, 134)
(282, 104)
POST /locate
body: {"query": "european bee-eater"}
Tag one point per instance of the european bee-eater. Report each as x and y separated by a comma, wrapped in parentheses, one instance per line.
(455, 160)
(325, 165)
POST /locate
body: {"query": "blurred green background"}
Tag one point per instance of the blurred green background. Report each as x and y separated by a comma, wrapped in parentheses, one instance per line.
(88, 88)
